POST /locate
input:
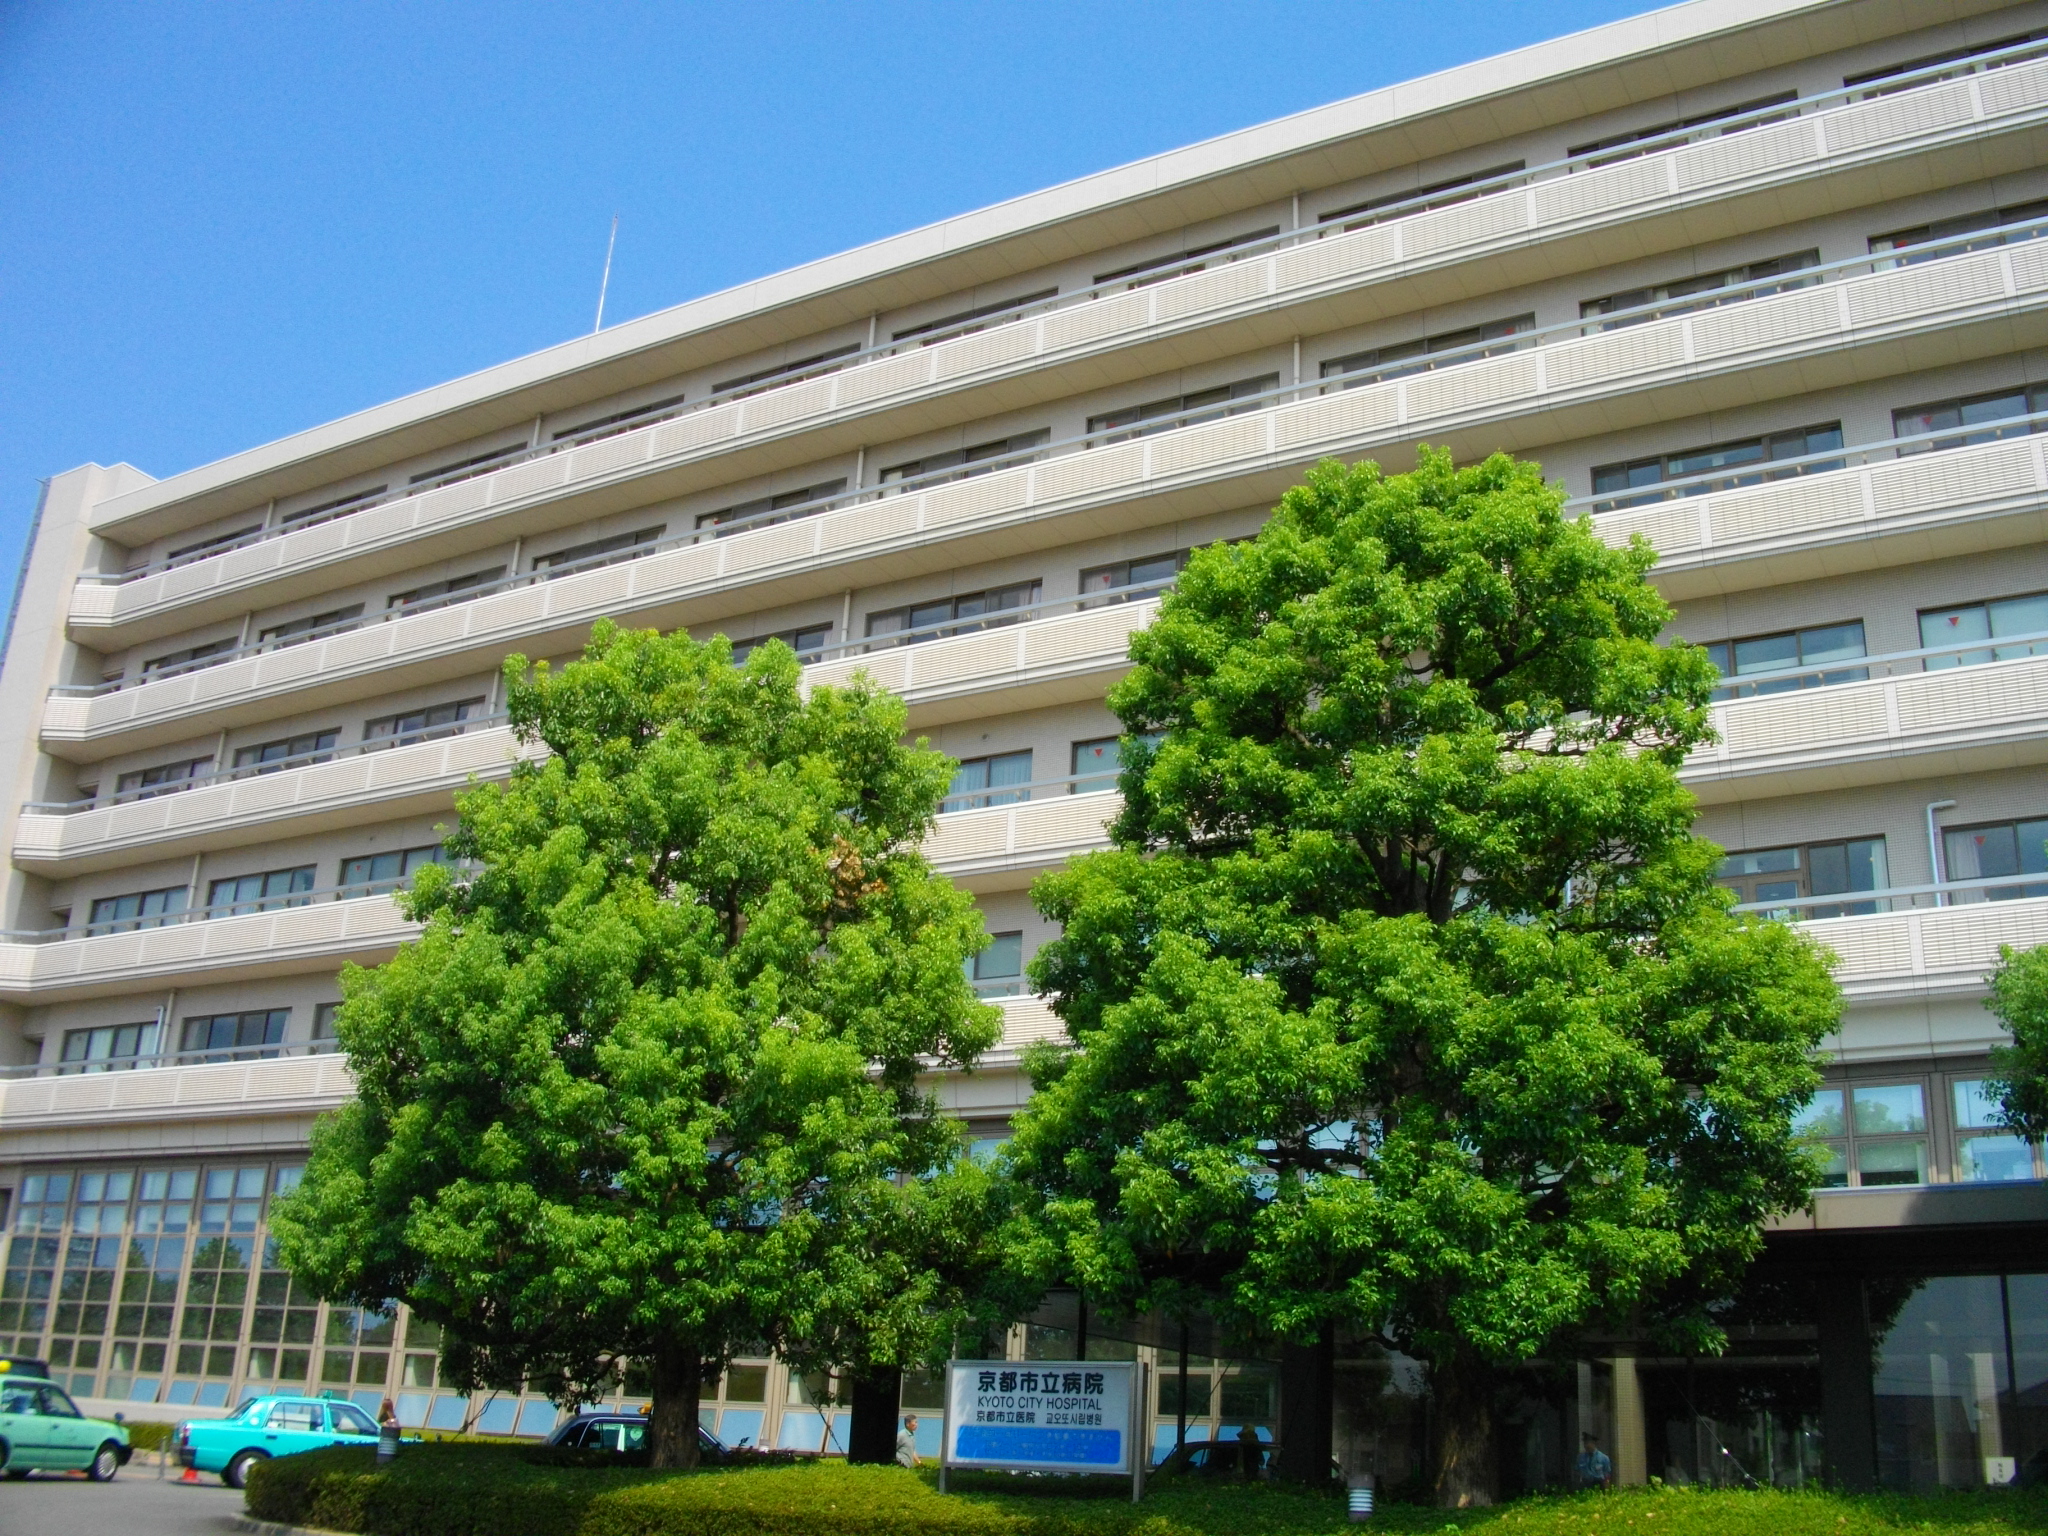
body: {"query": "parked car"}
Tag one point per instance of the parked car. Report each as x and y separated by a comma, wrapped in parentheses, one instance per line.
(263, 1427)
(625, 1433)
(41, 1429)
(1240, 1460)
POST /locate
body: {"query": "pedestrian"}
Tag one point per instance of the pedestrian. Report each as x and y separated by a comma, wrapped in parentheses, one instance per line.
(1593, 1468)
(387, 1432)
(906, 1443)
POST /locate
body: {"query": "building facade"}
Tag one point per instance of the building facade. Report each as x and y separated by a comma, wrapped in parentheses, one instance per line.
(1759, 280)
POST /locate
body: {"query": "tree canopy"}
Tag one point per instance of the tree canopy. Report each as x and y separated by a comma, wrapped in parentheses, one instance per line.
(1406, 999)
(647, 1085)
(2019, 1081)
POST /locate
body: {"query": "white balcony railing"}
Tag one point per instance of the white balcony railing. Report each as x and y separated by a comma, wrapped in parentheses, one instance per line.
(1778, 143)
(289, 1081)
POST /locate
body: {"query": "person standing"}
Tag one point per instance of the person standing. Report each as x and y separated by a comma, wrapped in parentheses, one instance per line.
(1593, 1469)
(387, 1432)
(906, 1443)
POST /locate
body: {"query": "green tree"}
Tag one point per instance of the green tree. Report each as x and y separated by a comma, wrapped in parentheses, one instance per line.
(2019, 1080)
(647, 1084)
(1406, 1000)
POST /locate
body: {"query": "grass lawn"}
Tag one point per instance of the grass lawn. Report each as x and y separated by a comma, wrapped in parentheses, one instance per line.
(475, 1490)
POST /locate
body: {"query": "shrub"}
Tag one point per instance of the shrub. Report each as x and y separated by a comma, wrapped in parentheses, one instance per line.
(146, 1435)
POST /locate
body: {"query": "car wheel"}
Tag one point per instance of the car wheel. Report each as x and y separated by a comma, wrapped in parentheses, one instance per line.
(237, 1473)
(106, 1461)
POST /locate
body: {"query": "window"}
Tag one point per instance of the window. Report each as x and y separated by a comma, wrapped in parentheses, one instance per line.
(1962, 224)
(1145, 571)
(1878, 1130)
(1974, 414)
(1985, 621)
(963, 324)
(190, 657)
(299, 1418)
(324, 1033)
(962, 460)
(429, 723)
(370, 873)
(259, 893)
(1703, 289)
(962, 614)
(576, 553)
(1157, 269)
(1634, 475)
(1638, 136)
(1809, 869)
(164, 779)
(1791, 648)
(235, 1036)
(137, 909)
(1384, 362)
(270, 756)
(1097, 763)
(998, 971)
(469, 468)
(1986, 1153)
(1462, 189)
(766, 376)
(1175, 411)
(808, 642)
(617, 422)
(298, 631)
(1994, 849)
(797, 503)
(993, 775)
(185, 554)
(1929, 60)
(111, 1048)
(340, 506)
(452, 587)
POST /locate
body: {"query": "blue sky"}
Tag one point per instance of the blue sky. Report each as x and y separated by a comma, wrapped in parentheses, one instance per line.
(223, 222)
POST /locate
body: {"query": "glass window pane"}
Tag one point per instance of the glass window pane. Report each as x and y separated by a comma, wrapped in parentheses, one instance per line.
(1823, 1117)
(1889, 1109)
(1833, 642)
(1766, 653)
(1975, 1109)
(1940, 1376)
(1891, 1162)
(1994, 1160)
(2020, 615)
(1003, 957)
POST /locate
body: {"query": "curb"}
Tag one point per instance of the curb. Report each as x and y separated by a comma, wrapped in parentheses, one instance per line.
(271, 1528)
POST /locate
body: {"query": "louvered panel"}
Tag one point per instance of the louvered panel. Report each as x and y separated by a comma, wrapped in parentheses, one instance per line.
(335, 1079)
(691, 566)
(276, 668)
(787, 404)
(1868, 946)
(1341, 415)
(1925, 480)
(1967, 937)
(241, 564)
(1632, 350)
(1064, 821)
(45, 834)
(321, 539)
(526, 479)
(146, 1090)
(986, 349)
(610, 453)
(1087, 321)
(974, 498)
(69, 712)
(2015, 86)
(1757, 322)
(406, 765)
(83, 1094)
(1198, 447)
(1498, 214)
(696, 429)
(1998, 694)
(885, 377)
(2029, 261)
(345, 777)
(99, 599)
(1670, 526)
(965, 834)
(1098, 632)
(1803, 719)
(168, 946)
(606, 584)
(291, 1077)
(1594, 191)
(1813, 503)
(948, 661)
(478, 749)
(891, 517)
(185, 581)
(1915, 111)
(1739, 154)
(1470, 384)
(1912, 290)
(385, 522)
(508, 610)
(770, 546)
(1229, 285)
(1027, 1021)
(1335, 255)
(265, 793)
(1082, 472)
(425, 630)
(197, 687)
(302, 925)
(891, 669)
(449, 501)
(17, 966)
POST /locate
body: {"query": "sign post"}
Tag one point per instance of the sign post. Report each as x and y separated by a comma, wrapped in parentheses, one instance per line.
(1046, 1416)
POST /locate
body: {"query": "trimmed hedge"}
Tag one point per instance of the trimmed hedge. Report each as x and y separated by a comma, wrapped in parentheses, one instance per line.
(471, 1490)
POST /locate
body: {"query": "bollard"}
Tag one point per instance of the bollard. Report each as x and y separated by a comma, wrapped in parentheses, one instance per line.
(1360, 1489)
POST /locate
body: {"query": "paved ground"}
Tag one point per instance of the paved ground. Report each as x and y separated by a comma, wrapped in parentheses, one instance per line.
(133, 1504)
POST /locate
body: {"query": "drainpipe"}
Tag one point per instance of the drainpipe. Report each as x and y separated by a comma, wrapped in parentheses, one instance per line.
(1934, 858)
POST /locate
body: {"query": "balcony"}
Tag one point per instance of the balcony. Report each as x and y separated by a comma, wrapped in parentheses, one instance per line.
(293, 1082)
(1965, 128)
(1201, 464)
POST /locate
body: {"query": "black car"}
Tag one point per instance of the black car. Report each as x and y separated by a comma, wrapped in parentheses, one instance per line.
(625, 1433)
(1238, 1460)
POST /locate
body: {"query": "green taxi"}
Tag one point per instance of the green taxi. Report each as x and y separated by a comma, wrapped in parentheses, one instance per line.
(41, 1430)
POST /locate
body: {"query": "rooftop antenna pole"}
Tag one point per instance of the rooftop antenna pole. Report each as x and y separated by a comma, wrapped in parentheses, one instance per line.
(607, 281)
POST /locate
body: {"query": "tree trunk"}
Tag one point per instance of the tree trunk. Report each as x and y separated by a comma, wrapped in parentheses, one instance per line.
(672, 1420)
(1462, 1389)
(872, 1439)
(1307, 1383)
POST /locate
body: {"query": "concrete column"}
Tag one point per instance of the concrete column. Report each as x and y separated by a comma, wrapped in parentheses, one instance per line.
(1631, 1441)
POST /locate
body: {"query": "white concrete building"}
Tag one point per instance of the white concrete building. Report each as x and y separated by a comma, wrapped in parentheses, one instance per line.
(1759, 279)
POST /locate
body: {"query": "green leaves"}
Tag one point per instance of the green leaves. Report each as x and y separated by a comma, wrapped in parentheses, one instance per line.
(2019, 1084)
